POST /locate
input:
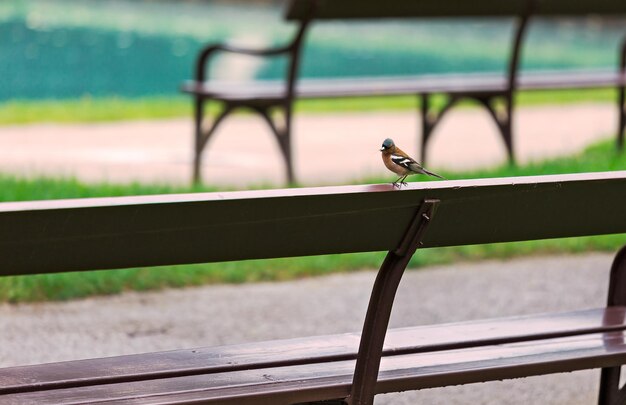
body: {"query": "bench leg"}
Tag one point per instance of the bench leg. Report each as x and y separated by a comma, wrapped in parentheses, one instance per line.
(621, 100)
(426, 125)
(430, 119)
(610, 392)
(503, 122)
(622, 119)
(507, 129)
(198, 108)
(283, 137)
(202, 137)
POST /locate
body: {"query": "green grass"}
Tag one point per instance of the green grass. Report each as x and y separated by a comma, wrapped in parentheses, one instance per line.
(601, 157)
(21, 189)
(89, 109)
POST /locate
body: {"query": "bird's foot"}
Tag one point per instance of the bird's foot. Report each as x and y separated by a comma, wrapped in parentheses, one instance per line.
(395, 184)
(403, 183)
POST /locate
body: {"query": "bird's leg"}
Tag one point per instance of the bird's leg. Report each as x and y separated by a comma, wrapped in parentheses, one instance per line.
(402, 182)
(397, 183)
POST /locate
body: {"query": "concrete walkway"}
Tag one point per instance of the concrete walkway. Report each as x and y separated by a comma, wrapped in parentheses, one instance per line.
(213, 315)
(328, 148)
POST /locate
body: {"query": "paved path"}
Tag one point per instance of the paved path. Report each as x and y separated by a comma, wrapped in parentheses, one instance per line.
(185, 318)
(329, 148)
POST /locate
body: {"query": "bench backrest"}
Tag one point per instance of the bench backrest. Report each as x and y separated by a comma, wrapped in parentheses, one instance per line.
(357, 9)
(120, 232)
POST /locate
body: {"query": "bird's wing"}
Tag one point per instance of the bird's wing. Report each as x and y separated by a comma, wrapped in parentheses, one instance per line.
(411, 165)
(407, 163)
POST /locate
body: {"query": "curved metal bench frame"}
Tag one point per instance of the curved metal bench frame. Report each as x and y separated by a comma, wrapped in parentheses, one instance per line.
(271, 105)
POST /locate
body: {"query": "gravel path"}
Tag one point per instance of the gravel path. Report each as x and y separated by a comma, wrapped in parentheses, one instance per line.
(212, 315)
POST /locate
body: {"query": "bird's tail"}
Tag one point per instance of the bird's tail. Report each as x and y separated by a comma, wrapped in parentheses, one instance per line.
(433, 174)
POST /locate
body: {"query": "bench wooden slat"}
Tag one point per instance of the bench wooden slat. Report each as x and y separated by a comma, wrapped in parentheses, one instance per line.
(89, 234)
(158, 229)
(405, 85)
(570, 80)
(349, 87)
(345, 9)
(306, 350)
(332, 380)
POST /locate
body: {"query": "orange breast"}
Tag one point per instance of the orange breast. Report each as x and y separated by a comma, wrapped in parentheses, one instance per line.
(399, 170)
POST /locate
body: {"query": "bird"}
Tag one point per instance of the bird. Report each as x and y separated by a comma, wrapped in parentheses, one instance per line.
(400, 163)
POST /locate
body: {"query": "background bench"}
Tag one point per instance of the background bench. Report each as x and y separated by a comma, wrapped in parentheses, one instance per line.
(267, 98)
(110, 233)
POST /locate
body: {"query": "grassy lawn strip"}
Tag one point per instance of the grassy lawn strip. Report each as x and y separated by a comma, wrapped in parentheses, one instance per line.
(600, 157)
(89, 109)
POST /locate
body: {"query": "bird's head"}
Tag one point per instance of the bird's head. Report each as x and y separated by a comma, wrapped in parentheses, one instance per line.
(388, 145)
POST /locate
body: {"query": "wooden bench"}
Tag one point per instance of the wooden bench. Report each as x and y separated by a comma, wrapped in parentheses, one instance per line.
(267, 98)
(111, 233)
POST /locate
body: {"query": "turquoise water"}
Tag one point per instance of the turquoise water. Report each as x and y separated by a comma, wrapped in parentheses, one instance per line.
(132, 48)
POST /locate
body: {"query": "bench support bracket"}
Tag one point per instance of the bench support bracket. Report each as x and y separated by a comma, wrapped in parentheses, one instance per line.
(622, 99)
(488, 99)
(610, 392)
(381, 303)
(503, 118)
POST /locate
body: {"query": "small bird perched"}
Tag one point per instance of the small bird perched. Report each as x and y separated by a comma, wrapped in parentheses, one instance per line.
(401, 164)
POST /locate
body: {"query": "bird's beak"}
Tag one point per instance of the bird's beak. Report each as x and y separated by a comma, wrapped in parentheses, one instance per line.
(381, 149)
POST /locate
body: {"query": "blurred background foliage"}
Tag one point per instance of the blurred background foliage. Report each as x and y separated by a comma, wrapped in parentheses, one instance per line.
(142, 48)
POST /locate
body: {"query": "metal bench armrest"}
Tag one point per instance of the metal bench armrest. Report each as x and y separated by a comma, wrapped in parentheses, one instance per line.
(210, 50)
